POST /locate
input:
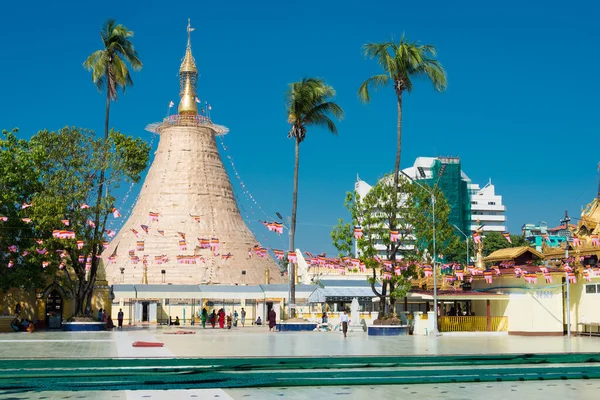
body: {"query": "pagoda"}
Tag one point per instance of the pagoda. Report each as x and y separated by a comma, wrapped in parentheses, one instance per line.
(185, 227)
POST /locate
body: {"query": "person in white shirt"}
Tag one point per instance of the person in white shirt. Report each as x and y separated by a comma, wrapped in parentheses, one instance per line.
(344, 320)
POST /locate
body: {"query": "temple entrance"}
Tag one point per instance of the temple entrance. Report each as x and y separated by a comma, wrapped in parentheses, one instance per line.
(54, 310)
(145, 307)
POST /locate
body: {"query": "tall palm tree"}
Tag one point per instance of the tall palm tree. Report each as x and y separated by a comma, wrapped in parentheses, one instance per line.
(110, 72)
(400, 63)
(109, 65)
(308, 103)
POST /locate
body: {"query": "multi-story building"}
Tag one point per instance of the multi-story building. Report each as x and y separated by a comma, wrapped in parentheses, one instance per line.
(487, 208)
(537, 234)
(468, 202)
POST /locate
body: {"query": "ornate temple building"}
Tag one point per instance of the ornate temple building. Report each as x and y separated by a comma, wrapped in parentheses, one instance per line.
(186, 227)
(584, 246)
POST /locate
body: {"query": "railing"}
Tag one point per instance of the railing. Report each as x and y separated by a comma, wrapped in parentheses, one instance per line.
(472, 324)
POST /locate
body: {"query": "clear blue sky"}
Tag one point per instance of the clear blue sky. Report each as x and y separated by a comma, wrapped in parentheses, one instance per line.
(521, 105)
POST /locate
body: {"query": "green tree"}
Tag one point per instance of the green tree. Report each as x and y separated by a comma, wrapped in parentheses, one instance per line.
(67, 169)
(309, 103)
(493, 241)
(401, 62)
(18, 182)
(409, 210)
(422, 221)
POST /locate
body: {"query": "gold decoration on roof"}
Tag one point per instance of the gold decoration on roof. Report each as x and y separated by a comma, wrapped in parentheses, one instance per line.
(585, 237)
(479, 263)
(188, 105)
(188, 64)
(188, 77)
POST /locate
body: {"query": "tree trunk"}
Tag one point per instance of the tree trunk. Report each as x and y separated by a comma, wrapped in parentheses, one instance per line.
(398, 145)
(392, 301)
(84, 294)
(380, 295)
(292, 276)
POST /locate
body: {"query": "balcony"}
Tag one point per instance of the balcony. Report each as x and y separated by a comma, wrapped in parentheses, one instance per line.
(486, 217)
(487, 207)
(489, 228)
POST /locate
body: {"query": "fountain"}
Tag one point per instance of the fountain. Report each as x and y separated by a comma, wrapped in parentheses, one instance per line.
(355, 315)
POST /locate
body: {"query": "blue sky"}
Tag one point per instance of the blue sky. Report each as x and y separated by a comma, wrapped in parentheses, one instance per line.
(521, 105)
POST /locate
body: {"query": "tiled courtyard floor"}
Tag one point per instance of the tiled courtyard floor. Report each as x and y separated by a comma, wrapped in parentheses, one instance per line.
(581, 390)
(258, 342)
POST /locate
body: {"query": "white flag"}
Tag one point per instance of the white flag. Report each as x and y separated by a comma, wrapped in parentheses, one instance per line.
(171, 104)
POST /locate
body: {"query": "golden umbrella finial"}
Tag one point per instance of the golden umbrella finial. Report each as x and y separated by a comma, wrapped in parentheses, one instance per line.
(188, 64)
(188, 77)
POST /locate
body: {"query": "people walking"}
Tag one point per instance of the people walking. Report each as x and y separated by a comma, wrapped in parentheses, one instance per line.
(204, 317)
(120, 318)
(103, 315)
(229, 318)
(100, 315)
(213, 319)
(243, 314)
(235, 318)
(344, 320)
(221, 318)
(272, 318)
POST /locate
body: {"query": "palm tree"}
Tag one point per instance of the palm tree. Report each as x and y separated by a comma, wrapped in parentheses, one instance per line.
(108, 65)
(401, 62)
(308, 103)
(110, 72)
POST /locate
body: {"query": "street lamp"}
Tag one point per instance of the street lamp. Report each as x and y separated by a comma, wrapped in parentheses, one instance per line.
(431, 192)
(466, 237)
(566, 221)
(289, 274)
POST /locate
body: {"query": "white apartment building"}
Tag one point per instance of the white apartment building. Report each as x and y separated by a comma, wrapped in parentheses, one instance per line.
(487, 207)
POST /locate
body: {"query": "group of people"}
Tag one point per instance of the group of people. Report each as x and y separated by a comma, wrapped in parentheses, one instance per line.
(104, 317)
(221, 317)
(21, 324)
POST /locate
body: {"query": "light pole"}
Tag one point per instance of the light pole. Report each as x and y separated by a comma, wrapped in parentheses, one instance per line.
(466, 237)
(566, 222)
(431, 192)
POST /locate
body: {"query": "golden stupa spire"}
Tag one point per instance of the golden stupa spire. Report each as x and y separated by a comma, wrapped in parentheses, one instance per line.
(188, 78)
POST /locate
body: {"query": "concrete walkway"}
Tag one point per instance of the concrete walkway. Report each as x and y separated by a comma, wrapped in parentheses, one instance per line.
(258, 342)
(237, 344)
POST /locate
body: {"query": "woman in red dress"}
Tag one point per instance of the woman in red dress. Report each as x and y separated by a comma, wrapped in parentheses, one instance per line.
(221, 318)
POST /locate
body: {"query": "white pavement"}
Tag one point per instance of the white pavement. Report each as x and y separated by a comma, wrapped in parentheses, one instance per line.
(258, 342)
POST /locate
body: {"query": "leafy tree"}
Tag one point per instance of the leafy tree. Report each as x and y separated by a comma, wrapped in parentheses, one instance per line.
(456, 252)
(493, 241)
(66, 171)
(401, 62)
(408, 210)
(18, 181)
(308, 104)
(422, 202)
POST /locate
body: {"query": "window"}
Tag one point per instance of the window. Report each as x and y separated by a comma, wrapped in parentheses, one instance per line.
(474, 202)
(591, 289)
(491, 203)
